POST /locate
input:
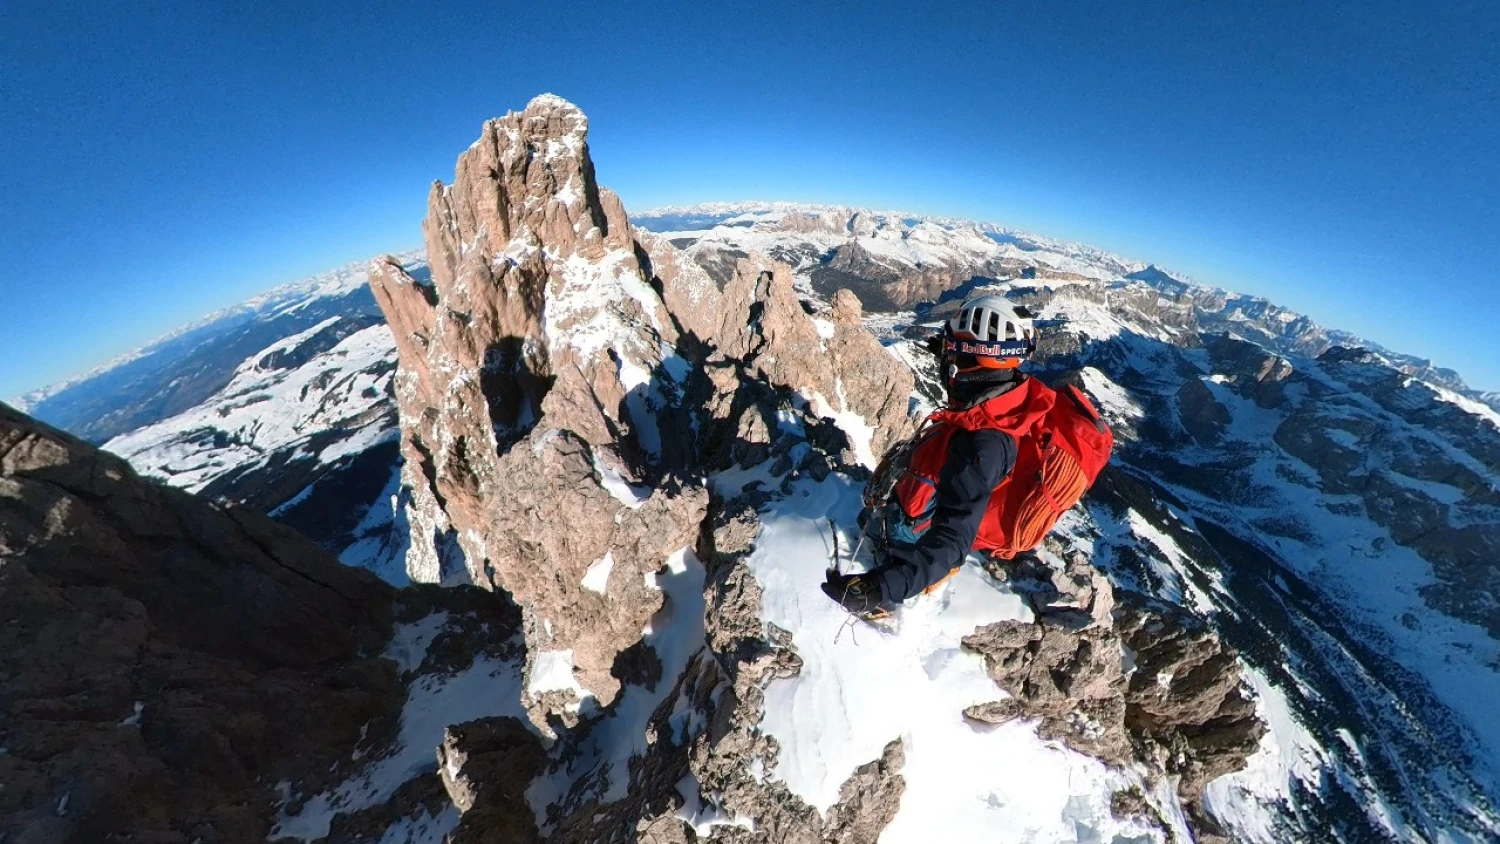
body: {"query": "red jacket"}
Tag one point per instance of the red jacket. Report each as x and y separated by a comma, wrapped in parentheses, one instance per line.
(1013, 412)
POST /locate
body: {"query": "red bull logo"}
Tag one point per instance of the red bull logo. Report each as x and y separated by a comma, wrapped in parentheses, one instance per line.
(1006, 349)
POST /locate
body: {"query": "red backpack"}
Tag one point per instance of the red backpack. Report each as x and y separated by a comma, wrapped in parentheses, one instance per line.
(1062, 444)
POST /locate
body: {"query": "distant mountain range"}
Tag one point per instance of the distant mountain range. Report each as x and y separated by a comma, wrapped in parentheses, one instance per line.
(1331, 506)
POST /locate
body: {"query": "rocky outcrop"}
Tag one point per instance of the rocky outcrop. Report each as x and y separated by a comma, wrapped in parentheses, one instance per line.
(539, 309)
(833, 367)
(1252, 371)
(555, 359)
(486, 766)
(1201, 414)
(166, 660)
(1122, 677)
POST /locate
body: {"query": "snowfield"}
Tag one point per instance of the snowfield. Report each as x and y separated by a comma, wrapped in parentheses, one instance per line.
(861, 688)
(264, 409)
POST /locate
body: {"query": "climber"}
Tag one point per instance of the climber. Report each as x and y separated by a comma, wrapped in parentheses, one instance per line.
(992, 472)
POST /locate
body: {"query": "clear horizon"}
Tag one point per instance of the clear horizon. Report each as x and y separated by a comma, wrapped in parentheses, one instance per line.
(685, 205)
(168, 160)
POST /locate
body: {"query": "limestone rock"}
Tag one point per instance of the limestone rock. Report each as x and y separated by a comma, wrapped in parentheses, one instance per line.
(166, 660)
(540, 307)
(1256, 373)
(556, 359)
(1180, 707)
(764, 326)
(486, 766)
(1201, 413)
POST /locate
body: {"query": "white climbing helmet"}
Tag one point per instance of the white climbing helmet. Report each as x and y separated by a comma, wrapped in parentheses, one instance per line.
(992, 331)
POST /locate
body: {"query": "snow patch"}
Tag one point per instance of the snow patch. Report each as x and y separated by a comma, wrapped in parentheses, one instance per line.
(615, 484)
(703, 815)
(409, 644)
(859, 431)
(553, 672)
(596, 579)
(1248, 801)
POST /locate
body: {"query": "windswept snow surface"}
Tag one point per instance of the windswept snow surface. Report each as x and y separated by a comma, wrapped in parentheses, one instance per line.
(553, 672)
(423, 828)
(705, 814)
(860, 688)
(859, 431)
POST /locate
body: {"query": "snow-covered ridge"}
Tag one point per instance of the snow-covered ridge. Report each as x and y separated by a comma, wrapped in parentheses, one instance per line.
(263, 411)
(771, 212)
(758, 225)
(186, 367)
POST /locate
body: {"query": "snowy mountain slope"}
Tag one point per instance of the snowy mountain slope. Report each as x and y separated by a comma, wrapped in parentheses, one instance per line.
(1298, 552)
(1331, 514)
(181, 370)
(859, 689)
(917, 238)
(272, 404)
(892, 261)
(1379, 731)
(895, 260)
(305, 430)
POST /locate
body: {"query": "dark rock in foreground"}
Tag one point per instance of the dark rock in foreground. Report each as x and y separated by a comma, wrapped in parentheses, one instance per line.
(166, 661)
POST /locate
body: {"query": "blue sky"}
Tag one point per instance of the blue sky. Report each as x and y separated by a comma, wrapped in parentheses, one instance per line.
(162, 160)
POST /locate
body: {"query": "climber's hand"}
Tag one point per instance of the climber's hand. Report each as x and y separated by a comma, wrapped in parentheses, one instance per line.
(857, 593)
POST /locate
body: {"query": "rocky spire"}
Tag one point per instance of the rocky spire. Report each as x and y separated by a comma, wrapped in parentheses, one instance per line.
(547, 367)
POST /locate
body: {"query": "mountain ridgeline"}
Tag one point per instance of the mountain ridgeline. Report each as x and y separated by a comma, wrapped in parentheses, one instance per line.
(600, 463)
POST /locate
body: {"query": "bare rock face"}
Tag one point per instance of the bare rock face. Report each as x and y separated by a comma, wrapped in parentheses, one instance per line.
(691, 295)
(1201, 413)
(555, 525)
(539, 309)
(556, 360)
(837, 367)
(166, 660)
(486, 766)
(1125, 679)
(1256, 373)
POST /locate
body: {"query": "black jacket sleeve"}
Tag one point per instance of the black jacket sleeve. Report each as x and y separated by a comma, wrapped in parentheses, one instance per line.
(977, 462)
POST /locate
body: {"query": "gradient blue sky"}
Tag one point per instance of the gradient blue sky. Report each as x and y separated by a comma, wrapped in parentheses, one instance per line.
(161, 160)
